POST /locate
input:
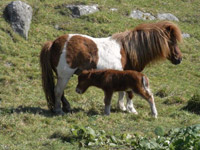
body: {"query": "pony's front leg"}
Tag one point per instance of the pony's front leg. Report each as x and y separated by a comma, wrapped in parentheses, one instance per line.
(129, 106)
(107, 101)
(121, 101)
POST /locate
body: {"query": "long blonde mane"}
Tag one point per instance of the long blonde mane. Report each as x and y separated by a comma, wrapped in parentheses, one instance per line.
(148, 42)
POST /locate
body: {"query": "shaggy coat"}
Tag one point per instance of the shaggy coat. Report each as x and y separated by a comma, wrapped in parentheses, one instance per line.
(113, 80)
(129, 50)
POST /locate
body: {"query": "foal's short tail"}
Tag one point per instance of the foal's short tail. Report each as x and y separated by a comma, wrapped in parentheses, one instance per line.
(48, 82)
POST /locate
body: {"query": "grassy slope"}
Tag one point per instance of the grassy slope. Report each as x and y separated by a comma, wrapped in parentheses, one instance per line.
(25, 121)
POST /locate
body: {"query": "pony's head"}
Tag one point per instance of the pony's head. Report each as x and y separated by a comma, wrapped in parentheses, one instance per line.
(150, 42)
(83, 82)
(174, 36)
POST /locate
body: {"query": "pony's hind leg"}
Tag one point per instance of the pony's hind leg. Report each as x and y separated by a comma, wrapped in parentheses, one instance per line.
(60, 86)
(129, 106)
(66, 105)
(121, 101)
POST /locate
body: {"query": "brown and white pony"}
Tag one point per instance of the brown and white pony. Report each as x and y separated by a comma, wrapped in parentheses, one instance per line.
(129, 50)
(114, 80)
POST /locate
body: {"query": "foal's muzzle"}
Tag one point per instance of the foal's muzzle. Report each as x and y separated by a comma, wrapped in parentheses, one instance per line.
(78, 91)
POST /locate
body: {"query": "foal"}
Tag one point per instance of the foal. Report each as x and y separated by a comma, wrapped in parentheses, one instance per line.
(113, 80)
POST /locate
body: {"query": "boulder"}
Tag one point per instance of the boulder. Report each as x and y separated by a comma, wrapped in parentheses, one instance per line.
(113, 9)
(185, 35)
(80, 10)
(137, 14)
(167, 16)
(19, 14)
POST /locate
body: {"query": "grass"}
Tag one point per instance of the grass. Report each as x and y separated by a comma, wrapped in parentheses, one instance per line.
(25, 120)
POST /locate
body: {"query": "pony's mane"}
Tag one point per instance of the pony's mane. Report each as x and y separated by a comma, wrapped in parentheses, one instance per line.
(148, 42)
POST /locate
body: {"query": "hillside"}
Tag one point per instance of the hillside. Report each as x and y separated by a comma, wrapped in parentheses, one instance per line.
(26, 122)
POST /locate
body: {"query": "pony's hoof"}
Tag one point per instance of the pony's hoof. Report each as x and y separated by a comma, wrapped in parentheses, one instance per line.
(59, 112)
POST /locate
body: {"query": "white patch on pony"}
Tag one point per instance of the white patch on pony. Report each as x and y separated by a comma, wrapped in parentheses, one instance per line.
(111, 49)
(109, 55)
(129, 106)
(64, 73)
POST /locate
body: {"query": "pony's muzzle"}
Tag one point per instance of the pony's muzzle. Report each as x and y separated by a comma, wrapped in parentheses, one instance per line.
(177, 61)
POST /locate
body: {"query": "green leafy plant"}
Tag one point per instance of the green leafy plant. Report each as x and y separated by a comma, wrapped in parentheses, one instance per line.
(176, 139)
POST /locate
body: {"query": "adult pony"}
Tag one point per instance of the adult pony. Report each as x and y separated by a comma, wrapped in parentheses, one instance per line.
(129, 50)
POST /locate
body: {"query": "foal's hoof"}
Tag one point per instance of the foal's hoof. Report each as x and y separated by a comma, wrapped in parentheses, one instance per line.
(155, 116)
(123, 108)
(132, 110)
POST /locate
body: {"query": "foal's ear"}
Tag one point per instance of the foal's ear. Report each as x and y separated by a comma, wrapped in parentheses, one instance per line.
(85, 72)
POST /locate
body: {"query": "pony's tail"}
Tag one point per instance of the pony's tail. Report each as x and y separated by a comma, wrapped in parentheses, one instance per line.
(48, 82)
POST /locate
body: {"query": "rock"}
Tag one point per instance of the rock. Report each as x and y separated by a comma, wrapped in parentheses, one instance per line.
(185, 35)
(137, 14)
(113, 9)
(19, 14)
(167, 16)
(80, 10)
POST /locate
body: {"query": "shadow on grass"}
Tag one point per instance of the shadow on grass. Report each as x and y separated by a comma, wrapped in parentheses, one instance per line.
(27, 109)
(63, 137)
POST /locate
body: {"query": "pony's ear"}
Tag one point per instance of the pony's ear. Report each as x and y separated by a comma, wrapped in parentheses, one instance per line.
(174, 32)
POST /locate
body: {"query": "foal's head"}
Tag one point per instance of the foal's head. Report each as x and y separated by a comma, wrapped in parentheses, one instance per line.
(83, 82)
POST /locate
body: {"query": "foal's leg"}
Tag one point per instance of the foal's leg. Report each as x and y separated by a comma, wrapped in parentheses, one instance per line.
(149, 97)
(129, 106)
(107, 101)
(121, 101)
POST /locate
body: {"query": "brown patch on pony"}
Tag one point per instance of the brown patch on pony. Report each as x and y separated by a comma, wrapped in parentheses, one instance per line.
(82, 52)
(56, 50)
(149, 42)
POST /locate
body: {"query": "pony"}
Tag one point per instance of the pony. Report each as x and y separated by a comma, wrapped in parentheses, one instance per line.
(129, 50)
(114, 80)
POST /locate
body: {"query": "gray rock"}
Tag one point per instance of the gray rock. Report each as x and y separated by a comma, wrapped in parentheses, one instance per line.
(137, 14)
(185, 35)
(113, 9)
(19, 14)
(79, 10)
(167, 16)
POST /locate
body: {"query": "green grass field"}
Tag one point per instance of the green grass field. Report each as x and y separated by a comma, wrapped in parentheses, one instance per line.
(26, 123)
